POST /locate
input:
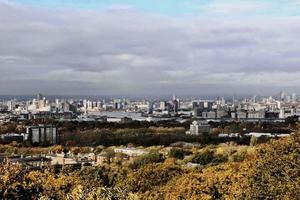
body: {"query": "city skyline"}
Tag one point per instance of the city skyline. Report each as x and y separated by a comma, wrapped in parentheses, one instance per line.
(277, 94)
(253, 108)
(138, 48)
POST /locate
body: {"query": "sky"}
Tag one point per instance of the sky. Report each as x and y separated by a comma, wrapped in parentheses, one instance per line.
(158, 47)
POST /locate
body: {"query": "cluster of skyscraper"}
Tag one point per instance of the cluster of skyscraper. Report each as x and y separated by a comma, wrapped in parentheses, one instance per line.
(251, 108)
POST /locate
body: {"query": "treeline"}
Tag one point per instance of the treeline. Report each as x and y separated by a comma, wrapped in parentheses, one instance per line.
(90, 125)
(246, 127)
(65, 126)
(140, 137)
(226, 127)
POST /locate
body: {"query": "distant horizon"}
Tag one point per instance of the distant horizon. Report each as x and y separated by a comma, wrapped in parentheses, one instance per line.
(196, 94)
(93, 96)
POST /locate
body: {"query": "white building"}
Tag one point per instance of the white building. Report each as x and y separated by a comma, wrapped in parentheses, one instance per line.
(259, 134)
(287, 112)
(241, 115)
(131, 151)
(199, 128)
(256, 114)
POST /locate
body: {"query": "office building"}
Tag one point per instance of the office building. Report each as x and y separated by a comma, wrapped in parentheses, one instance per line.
(199, 128)
(42, 135)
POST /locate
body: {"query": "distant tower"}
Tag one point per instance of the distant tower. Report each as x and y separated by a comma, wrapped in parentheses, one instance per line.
(150, 108)
(282, 96)
(39, 97)
(175, 104)
(163, 105)
(254, 99)
(174, 98)
(294, 97)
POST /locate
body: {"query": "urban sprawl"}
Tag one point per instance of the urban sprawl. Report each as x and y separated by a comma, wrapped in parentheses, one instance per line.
(120, 110)
(199, 115)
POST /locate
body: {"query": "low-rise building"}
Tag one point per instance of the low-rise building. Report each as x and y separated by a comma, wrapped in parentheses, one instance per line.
(287, 112)
(256, 114)
(229, 135)
(199, 128)
(131, 151)
(259, 134)
(209, 115)
(34, 162)
(221, 114)
(241, 115)
(11, 137)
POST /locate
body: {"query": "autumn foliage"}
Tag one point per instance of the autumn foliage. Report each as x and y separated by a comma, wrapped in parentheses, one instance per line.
(227, 171)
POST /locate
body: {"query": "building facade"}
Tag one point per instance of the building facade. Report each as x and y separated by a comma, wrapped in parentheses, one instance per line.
(42, 135)
(199, 128)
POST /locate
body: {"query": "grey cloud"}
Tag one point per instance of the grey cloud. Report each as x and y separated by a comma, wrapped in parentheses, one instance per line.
(129, 52)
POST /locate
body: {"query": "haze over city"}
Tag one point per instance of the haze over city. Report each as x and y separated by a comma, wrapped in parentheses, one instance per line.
(149, 47)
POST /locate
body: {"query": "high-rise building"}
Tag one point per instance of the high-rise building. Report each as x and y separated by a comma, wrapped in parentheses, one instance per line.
(150, 107)
(287, 99)
(254, 99)
(175, 105)
(163, 105)
(39, 97)
(11, 105)
(294, 97)
(194, 104)
(282, 96)
(42, 134)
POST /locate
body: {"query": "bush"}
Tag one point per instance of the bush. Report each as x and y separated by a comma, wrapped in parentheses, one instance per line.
(152, 157)
(207, 157)
(178, 153)
(203, 158)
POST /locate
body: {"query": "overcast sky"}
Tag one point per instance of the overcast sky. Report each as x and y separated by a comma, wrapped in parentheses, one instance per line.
(183, 47)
